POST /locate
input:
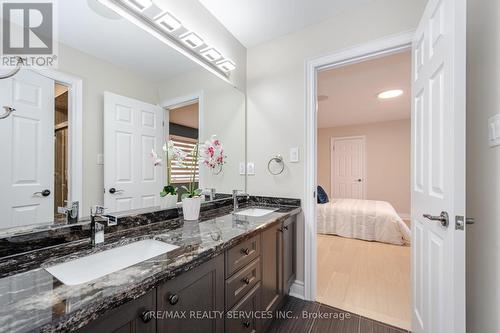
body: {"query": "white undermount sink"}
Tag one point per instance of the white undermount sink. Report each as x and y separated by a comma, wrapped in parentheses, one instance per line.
(255, 212)
(91, 267)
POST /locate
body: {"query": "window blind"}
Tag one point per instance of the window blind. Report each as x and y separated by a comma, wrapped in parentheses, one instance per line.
(183, 174)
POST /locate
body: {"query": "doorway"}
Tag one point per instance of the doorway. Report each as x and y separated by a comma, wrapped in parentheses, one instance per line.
(61, 135)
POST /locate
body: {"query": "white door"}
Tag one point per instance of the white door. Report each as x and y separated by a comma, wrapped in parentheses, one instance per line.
(348, 168)
(27, 150)
(438, 168)
(131, 130)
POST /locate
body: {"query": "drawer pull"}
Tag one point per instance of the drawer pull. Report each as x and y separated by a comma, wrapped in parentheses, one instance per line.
(246, 280)
(146, 316)
(245, 251)
(173, 299)
(246, 324)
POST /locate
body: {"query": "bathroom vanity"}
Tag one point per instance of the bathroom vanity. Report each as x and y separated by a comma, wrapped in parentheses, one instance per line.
(222, 265)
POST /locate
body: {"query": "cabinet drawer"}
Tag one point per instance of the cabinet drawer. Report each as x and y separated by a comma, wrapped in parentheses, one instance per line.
(241, 254)
(242, 282)
(241, 318)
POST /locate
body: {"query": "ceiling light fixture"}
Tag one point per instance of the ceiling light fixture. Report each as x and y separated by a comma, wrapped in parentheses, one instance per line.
(227, 65)
(192, 40)
(211, 54)
(139, 4)
(168, 22)
(390, 94)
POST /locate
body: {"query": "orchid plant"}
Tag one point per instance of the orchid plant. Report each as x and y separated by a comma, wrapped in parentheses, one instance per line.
(172, 155)
(212, 154)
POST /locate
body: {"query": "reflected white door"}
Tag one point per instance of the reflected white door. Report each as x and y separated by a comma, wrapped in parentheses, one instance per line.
(132, 129)
(438, 168)
(27, 150)
(348, 168)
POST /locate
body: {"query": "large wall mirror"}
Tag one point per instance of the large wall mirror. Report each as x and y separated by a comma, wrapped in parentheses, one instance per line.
(95, 128)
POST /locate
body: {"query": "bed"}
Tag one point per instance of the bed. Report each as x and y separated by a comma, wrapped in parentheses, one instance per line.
(362, 219)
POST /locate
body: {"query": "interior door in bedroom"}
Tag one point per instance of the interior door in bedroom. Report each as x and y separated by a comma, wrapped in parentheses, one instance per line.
(348, 167)
(438, 172)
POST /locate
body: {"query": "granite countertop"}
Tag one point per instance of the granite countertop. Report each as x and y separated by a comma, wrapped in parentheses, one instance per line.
(33, 300)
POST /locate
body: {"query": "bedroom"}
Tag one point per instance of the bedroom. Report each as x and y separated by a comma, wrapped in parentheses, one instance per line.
(363, 168)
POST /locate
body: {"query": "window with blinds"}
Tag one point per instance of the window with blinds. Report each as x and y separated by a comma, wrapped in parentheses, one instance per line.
(183, 174)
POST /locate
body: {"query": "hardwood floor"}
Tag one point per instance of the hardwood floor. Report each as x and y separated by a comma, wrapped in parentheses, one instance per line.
(370, 279)
(313, 317)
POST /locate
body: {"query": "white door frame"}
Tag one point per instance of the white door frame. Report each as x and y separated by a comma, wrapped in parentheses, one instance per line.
(373, 49)
(75, 131)
(365, 164)
(184, 100)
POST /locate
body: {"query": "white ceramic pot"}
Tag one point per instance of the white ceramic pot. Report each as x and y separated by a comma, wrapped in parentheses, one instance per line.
(169, 201)
(191, 208)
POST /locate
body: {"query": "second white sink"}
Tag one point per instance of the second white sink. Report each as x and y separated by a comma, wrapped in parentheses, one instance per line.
(86, 269)
(255, 212)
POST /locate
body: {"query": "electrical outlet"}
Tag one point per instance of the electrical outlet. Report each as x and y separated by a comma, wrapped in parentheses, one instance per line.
(100, 159)
(494, 131)
(250, 168)
(242, 168)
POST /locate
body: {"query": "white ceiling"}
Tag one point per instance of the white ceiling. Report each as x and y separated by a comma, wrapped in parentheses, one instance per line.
(117, 41)
(348, 95)
(255, 21)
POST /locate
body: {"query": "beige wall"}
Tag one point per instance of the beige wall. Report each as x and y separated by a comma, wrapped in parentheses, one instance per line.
(99, 76)
(276, 89)
(483, 167)
(388, 149)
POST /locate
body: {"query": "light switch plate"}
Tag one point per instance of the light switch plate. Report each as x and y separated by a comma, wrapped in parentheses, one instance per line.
(100, 159)
(242, 168)
(294, 155)
(494, 131)
(250, 168)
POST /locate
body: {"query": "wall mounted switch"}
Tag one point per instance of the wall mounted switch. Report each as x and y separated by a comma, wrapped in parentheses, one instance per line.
(294, 155)
(494, 131)
(250, 168)
(100, 159)
(242, 169)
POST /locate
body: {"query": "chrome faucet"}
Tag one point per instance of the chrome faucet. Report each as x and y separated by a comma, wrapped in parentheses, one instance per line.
(71, 211)
(97, 224)
(236, 195)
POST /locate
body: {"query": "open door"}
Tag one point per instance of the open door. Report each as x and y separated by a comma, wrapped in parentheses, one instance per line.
(132, 129)
(27, 149)
(438, 169)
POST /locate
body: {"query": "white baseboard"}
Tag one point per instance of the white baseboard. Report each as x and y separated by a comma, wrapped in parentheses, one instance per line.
(405, 216)
(297, 289)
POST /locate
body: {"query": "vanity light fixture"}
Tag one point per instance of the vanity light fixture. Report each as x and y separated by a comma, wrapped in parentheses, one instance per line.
(192, 40)
(139, 4)
(226, 65)
(211, 54)
(149, 17)
(390, 94)
(168, 22)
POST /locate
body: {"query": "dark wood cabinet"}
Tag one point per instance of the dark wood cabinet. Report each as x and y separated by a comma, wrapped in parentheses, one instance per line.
(272, 270)
(131, 317)
(192, 295)
(289, 253)
(242, 318)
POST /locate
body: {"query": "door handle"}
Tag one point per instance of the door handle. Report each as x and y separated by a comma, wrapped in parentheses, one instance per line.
(444, 219)
(115, 191)
(44, 193)
(8, 111)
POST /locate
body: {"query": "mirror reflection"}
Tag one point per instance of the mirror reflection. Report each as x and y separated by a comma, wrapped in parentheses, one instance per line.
(123, 122)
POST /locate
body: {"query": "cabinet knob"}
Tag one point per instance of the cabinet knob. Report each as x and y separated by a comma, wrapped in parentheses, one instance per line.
(245, 251)
(146, 316)
(246, 324)
(173, 299)
(285, 227)
(246, 280)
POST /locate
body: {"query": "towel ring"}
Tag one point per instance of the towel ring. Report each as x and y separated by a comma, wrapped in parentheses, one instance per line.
(279, 160)
(20, 62)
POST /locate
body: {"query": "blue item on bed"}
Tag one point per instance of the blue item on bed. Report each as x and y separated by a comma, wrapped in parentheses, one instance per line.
(322, 196)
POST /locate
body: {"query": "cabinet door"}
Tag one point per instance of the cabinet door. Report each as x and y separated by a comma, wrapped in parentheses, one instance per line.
(272, 269)
(128, 318)
(184, 300)
(289, 253)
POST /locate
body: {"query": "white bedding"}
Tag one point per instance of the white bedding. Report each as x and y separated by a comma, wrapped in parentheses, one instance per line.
(362, 219)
